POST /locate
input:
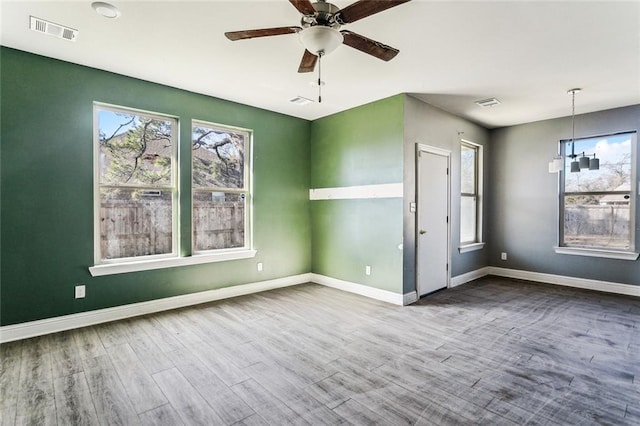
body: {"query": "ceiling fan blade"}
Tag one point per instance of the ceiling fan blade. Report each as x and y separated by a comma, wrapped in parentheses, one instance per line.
(366, 45)
(363, 8)
(304, 6)
(263, 32)
(308, 62)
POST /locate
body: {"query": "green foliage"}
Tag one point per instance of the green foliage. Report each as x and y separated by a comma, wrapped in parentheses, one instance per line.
(137, 153)
(218, 158)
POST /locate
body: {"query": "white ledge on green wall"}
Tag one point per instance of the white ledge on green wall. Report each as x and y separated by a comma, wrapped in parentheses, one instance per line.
(147, 265)
(385, 190)
(609, 254)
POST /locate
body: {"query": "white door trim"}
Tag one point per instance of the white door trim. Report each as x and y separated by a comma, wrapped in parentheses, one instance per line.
(420, 147)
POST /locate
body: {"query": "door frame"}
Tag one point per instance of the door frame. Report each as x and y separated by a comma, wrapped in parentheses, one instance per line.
(420, 147)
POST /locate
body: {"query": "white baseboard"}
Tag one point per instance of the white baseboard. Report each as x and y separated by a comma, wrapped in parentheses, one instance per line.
(469, 276)
(605, 286)
(67, 322)
(409, 298)
(584, 283)
(25, 330)
(363, 290)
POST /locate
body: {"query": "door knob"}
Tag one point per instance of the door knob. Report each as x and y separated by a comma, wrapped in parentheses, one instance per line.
(422, 232)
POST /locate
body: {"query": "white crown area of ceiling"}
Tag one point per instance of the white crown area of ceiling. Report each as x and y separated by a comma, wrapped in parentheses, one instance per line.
(527, 54)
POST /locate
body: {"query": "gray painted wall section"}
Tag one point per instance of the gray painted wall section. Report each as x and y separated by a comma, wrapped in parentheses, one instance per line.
(523, 210)
(429, 125)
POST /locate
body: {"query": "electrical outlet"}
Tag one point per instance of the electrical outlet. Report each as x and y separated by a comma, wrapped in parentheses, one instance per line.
(367, 270)
(80, 291)
(259, 266)
(503, 256)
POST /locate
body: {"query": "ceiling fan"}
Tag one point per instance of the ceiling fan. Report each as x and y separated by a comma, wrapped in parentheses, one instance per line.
(320, 30)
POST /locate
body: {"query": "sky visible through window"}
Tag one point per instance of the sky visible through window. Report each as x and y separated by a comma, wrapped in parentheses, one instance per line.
(614, 152)
(110, 121)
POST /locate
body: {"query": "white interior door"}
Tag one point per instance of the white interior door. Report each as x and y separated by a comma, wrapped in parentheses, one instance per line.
(433, 220)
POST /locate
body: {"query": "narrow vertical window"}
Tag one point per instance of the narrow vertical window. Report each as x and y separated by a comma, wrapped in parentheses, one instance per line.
(597, 206)
(470, 201)
(221, 187)
(135, 184)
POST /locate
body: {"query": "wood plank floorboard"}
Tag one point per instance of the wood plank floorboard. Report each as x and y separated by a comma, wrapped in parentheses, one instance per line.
(495, 351)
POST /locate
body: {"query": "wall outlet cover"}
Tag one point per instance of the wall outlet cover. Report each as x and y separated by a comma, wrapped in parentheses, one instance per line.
(80, 291)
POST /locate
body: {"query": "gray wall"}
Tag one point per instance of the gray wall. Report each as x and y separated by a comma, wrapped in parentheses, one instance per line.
(428, 125)
(523, 209)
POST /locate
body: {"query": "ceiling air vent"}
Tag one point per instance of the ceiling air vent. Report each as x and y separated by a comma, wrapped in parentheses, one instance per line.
(488, 102)
(46, 27)
(299, 100)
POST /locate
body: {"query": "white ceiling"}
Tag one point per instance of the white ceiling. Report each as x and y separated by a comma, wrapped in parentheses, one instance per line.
(452, 53)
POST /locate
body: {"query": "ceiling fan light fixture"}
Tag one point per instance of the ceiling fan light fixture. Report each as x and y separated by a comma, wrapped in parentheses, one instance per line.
(320, 39)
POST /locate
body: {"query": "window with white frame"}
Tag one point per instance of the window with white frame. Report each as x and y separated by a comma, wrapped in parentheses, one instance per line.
(470, 193)
(597, 207)
(220, 186)
(135, 196)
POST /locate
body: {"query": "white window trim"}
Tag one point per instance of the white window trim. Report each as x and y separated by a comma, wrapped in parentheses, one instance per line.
(609, 254)
(104, 267)
(630, 254)
(175, 228)
(466, 248)
(478, 244)
(148, 265)
(248, 191)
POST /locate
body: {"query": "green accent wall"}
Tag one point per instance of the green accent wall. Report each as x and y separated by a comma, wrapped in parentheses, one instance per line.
(361, 146)
(47, 189)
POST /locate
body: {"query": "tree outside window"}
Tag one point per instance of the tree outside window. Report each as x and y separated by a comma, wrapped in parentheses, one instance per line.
(136, 184)
(220, 187)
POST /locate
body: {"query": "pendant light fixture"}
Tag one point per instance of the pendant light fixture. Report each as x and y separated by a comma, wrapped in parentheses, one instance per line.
(578, 161)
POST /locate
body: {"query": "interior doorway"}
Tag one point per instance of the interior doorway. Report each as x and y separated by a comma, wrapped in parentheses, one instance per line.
(433, 219)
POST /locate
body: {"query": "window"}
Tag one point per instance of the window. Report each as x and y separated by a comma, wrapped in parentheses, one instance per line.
(470, 196)
(137, 196)
(220, 184)
(597, 207)
(136, 185)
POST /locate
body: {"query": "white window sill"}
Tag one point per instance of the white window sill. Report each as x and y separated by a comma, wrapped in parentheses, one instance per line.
(470, 247)
(147, 265)
(609, 254)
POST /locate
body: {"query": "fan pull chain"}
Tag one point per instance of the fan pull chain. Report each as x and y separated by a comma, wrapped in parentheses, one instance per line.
(320, 54)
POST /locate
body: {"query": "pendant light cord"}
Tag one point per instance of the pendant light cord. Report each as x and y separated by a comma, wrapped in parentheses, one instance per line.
(320, 54)
(573, 122)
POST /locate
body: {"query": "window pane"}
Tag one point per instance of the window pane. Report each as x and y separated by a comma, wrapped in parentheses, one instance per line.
(218, 157)
(597, 221)
(468, 170)
(134, 149)
(218, 220)
(614, 174)
(135, 222)
(468, 219)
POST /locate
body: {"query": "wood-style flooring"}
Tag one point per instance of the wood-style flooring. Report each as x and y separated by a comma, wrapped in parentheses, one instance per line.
(492, 352)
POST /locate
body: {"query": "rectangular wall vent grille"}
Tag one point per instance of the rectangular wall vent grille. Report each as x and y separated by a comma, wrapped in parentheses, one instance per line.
(46, 27)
